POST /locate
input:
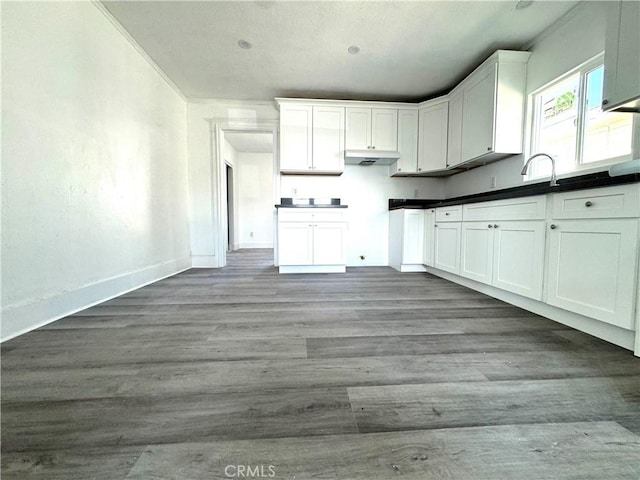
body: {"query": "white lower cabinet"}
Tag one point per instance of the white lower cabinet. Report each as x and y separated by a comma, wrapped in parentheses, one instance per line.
(311, 241)
(429, 236)
(295, 243)
(506, 254)
(592, 268)
(446, 245)
(329, 241)
(406, 240)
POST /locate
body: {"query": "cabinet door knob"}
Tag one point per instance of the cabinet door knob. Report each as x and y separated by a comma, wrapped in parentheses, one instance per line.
(553, 226)
(399, 169)
(435, 226)
(588, 204)
(419, 169)
(488, 149)
(605, 102)
(495, 226)
(490, 226)
(446, 213)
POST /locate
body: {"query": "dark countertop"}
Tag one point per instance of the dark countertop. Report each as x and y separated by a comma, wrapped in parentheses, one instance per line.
(311, 206)
(288, 202)
(591, 180)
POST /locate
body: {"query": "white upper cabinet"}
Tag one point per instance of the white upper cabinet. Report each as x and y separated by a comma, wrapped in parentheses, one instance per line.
(407, 143)
(295, 137)
(487, 118)
(328, 139)
(432, 137)
(358, 128)
(311, 138)
(372, 129)
(478, 112)
(454, 133)
(622, 58)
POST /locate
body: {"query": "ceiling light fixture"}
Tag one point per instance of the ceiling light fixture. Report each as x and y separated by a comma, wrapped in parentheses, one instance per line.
(244, 44)
(523, 4)
(353, 49)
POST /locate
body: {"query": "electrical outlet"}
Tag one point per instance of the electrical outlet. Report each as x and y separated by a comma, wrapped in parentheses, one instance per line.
(362, 257)
(416, 193)
(493, 182)
(294, 191)
(251, 234)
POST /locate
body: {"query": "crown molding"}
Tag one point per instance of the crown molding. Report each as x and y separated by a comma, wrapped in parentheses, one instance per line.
(100, 6)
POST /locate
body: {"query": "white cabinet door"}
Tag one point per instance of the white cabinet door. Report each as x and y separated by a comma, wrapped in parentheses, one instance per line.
(478, 115)
(429, 236)
(413, 239)
(454, 131)
(447, 247)
(622, 56)
(432, 138)
(329, 240)
(518, 257)
(328, 139)
(295, 137)
(476, 257)
(295, 243)
(358, 135)
(407, 143)
(384, 129)
(592, 269)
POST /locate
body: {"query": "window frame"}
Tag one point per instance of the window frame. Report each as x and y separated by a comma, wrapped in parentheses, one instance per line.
(533, 124)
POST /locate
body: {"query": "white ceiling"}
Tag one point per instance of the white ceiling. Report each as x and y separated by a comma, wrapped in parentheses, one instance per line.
(409, 50)
(255, 142)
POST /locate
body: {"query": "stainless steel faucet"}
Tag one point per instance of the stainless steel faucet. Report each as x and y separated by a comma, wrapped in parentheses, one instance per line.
(554, 182)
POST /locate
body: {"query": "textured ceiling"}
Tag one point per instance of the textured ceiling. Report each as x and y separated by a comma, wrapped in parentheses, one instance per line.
(408, 50)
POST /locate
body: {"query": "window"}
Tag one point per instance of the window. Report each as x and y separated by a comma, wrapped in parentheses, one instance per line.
(568, 123)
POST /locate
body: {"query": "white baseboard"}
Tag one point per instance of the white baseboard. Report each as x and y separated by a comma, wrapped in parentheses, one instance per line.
(312, 269)
(256, 245)
(409, 267)
(616, 335)
(22, 318)
(204, 261)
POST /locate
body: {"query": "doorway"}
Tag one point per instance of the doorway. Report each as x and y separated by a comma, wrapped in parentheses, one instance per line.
(230, 210)
(250, 188)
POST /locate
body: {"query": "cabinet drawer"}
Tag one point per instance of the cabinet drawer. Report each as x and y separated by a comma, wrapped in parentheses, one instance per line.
(311, 215)
(610, 202)
(449, 214)
(525, 208)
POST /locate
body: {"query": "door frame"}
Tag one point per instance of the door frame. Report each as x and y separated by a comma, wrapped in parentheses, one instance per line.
(219, 184)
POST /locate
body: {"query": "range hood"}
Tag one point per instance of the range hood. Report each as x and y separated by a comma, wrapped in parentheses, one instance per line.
(370, 157)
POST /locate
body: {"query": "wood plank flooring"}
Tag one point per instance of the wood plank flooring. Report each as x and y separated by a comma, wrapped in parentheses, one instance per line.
(373, 374)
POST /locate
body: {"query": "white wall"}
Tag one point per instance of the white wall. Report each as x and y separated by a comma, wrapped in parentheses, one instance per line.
(574, 39)
(366, 190)
(202, 176)
(255, 199)
(94, 164)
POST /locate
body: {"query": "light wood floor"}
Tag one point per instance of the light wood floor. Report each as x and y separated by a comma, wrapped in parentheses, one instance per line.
(372, 374)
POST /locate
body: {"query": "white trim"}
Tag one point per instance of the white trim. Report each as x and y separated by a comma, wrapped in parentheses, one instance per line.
(406, 267)
(22, 318)
(248, 103)
(114, 21)
(256, 245)
(312, 269)
(610, 333)
(204, 261)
